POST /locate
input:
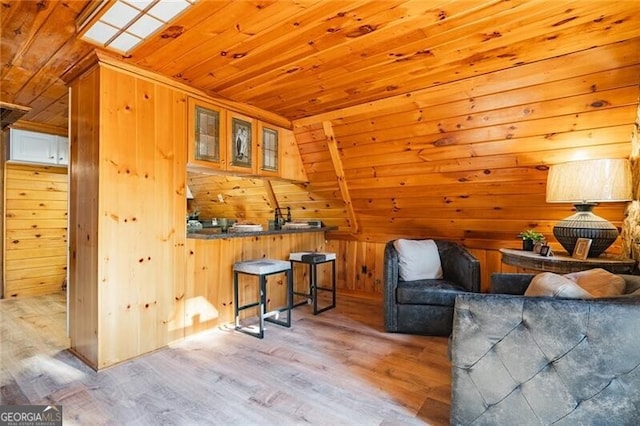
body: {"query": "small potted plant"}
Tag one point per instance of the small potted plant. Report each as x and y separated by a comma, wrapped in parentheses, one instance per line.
(530, 238)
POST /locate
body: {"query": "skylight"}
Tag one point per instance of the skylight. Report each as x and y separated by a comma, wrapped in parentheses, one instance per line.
(121, 25)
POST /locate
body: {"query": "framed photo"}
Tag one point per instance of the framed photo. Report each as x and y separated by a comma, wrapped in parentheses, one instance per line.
(545, 251)
(241, 142)
(581, 251)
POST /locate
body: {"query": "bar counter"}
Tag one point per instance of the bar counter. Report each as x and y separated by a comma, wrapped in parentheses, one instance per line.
(210, 258)
(215, 234)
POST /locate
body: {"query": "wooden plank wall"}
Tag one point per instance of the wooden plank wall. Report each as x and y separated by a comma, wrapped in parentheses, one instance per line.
(128, 284)
(3, 153)
(35, 260)
(142, 202)
(84, 179)
(465, 161)
(468, 160)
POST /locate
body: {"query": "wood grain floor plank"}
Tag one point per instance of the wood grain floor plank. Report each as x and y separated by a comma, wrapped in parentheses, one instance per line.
(336, 368)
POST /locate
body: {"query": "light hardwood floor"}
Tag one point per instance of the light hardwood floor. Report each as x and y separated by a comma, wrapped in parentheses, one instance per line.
(335, 368)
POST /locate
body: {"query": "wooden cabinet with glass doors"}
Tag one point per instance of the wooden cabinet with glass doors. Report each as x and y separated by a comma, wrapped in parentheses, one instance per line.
(225, 141)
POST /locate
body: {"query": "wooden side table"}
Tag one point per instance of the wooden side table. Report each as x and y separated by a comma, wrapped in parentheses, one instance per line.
(564, 264)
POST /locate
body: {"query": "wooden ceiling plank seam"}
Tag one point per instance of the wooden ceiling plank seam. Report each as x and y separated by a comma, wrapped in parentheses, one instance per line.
(463, 57)
(50, 111)
(500, 175)
(280, 38)
(171, 42)
(263, 68)
(427, 137)
(401, 115)
(387, 56)
(213, 47)
(72, 50)
(350, 47)
(199, 57)
(459, 120)
(319, 103)
(453, 191)
(575, 64)
(447, 143)
(339, 174)
(20, 45)
(588, 137)
(39, 49)
(258, 51)
(538, 158)
(518, 21)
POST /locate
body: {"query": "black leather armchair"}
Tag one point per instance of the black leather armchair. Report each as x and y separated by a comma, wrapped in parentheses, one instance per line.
(426, 306)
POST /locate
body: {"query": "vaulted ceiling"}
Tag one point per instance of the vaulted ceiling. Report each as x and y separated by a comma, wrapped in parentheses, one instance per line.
(299, 58)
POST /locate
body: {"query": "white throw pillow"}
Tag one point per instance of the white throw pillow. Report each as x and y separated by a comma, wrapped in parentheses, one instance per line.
(418, 259)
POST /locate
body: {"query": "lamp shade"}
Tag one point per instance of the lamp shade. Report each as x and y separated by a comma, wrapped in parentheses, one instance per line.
(589, 181)
(585, 184)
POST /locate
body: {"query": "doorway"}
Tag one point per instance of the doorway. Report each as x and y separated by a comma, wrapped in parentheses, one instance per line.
(34, 261)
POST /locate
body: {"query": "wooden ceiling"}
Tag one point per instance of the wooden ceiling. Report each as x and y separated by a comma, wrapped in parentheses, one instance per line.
(300, 58)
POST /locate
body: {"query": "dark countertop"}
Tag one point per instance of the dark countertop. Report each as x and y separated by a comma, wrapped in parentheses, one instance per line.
(215, 234)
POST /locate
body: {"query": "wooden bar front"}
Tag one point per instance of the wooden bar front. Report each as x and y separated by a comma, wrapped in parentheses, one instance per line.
(208, 298)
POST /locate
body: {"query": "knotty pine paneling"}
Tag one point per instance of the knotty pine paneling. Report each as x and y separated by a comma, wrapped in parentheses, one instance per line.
(84, 171)
(128, 169)
(468, 160)
(3, 153)
(35, 212)
(209, 280)
(39, 44)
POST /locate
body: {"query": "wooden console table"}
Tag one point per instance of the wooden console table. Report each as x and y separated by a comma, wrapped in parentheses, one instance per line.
(564, 264)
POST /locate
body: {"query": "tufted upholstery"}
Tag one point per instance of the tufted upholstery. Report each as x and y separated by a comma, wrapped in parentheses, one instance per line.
(426, 306)
(534, 360)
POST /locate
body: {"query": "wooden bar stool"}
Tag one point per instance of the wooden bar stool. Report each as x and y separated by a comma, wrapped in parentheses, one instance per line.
(313, 259)
(262, 268)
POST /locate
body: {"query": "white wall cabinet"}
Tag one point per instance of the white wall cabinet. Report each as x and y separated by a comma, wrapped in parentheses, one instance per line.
(35, 147)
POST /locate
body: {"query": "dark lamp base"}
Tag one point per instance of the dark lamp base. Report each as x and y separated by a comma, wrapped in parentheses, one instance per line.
(585, 224)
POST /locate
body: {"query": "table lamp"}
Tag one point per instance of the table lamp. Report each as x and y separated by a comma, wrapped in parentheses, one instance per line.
(585, 184)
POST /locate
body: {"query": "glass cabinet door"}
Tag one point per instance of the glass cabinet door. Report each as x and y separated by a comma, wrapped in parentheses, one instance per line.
(269, 149)
(206, 135)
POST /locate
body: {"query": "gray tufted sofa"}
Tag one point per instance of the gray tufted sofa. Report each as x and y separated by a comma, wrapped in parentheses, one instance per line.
(535, 360)
(426, 306)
